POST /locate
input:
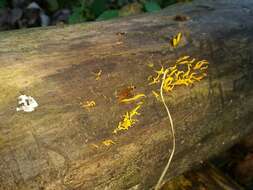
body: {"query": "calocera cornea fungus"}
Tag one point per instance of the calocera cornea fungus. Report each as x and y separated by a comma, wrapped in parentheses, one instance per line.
(150, 64)
(88, 104)
(129, 120)
(136, 97)
(98, 74)
(108, 142)
(155, 94)
(94, 145)
(176, 40)
(186, 71)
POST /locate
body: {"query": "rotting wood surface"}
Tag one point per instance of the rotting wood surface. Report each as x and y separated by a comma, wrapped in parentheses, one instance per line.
(59, 145)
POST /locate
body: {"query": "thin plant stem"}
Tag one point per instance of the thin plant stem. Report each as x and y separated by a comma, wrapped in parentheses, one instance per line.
(159, 183)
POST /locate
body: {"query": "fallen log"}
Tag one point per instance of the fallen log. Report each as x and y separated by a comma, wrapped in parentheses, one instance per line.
(79, 74)
(207, 176)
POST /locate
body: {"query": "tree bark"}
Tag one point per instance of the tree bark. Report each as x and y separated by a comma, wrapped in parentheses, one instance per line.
(206, 177)
(59, 145)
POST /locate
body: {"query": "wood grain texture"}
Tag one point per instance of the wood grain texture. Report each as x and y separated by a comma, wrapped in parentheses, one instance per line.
(205, 177)
(51, 148)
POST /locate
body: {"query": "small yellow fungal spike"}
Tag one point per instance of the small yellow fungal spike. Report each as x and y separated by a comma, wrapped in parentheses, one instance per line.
(183, 62)
(94, 145)
(134, 111)
(89, 104)
(150, 64)
(178, 73)
(140, 103)
(172, 68)
(200, 64)
(204, 68)
(98, 75)
(136, 97)
(150, 77)
(192, 61)
(182, 58)
(156, 95)
(161, 71)
(155, 81)
(176, 39)
(108, 142)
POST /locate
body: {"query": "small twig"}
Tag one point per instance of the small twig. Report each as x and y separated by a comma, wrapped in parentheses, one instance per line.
(158, 185)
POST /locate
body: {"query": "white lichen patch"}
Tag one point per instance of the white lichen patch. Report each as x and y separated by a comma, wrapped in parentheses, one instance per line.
(26, 103)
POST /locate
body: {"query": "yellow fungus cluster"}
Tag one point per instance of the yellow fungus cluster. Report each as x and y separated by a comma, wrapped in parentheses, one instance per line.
(176, 39)
(128, 120)
(136, 97)
(186, 71)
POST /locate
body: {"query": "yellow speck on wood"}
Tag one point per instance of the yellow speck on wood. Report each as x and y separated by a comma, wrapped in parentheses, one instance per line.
(98, 75)
(150, 64)
(108, 142)
(94, 145)
(88, 104)
(156, 95)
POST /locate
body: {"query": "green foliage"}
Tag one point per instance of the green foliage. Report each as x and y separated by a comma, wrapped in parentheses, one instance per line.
(68, 4)
(131, 9)
(166, 3)
(97, 7)
(109, 14)
(3, 3)
(122, 2)
(152, 6)
(88, 10)
(77, 15)
(53, 5)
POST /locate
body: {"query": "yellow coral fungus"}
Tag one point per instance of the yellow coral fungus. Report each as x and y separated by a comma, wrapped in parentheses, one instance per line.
(108, 142)
(176, 39)
(155, 94)
(182, 58)
(128, 120)
(88, 104)
(98, 75)
(136, 97)
(94, 145)
(200, 64)
(150, 64)
(156, 79)
(186, 71)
